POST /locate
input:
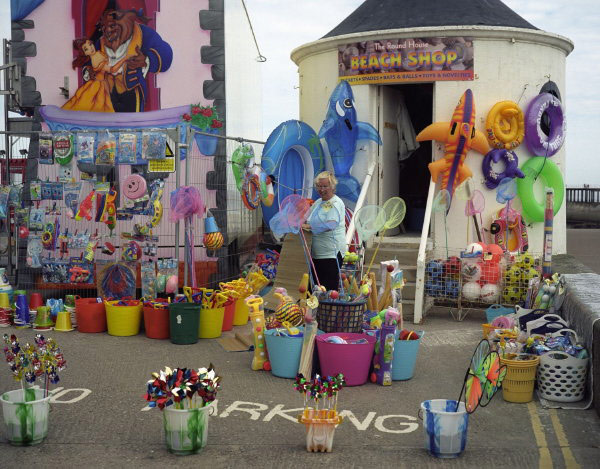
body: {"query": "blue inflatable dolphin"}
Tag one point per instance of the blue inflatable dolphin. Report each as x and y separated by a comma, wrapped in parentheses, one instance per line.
(341, 131)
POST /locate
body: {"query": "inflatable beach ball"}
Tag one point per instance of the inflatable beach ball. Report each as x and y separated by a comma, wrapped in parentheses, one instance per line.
(471, 272)
(490, 293)
(471, 291)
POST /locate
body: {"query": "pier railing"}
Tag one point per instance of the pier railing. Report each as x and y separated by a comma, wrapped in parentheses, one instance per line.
(586, 195)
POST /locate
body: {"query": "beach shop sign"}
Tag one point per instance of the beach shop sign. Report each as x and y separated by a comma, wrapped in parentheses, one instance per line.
(406, 60)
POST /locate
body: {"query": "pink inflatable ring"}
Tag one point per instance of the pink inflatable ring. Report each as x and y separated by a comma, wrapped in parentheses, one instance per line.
(536, 140)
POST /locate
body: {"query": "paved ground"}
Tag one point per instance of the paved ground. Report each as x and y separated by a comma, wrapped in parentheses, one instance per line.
(255, 427)
(584, 244)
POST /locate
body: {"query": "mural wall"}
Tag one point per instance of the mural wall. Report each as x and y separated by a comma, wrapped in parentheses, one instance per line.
(118, 55)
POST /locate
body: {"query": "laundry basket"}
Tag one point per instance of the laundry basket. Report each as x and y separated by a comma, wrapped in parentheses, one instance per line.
(340, 316)
(561, 377)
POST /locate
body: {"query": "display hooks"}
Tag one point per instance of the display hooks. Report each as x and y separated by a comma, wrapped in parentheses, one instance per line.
(260, 58)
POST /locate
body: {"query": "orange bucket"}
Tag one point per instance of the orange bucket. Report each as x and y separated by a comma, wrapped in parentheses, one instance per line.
(156, 322)
(91, 315)
(228, 318)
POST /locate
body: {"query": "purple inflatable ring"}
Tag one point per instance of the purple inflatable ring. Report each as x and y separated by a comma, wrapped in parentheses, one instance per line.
(536, 140)
(511, 167)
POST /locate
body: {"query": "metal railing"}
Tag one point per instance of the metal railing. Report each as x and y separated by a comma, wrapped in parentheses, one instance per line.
(584, 195)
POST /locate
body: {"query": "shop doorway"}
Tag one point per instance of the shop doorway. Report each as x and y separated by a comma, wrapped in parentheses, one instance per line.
(405, 110)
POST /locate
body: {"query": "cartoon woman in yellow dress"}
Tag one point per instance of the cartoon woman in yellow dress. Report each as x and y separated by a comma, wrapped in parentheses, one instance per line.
(95, 94)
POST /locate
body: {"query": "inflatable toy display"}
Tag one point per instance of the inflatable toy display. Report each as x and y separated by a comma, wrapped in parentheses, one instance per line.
(292, 156)
(341, 131)
(551, 177)
(459, 135)
(505, 125)
(511, 167)
(537, 141)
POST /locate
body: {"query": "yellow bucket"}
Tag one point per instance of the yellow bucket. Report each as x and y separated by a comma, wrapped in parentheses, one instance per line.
(211, 322)
(240, 316)
(123, 321)
(519, 381)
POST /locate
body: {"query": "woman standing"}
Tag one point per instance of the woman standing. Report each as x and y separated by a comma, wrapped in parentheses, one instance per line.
(327, 216)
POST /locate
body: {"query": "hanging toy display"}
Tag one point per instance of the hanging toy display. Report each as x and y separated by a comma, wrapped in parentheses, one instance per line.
(132, 252)
(116, 280)
(154, 207)
(134, 187)
(213, 238)
(63, 149)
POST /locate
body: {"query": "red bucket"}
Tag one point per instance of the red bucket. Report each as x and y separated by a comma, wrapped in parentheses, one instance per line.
(156, 322)
(351, 359)
(91, 315)
(228, 318)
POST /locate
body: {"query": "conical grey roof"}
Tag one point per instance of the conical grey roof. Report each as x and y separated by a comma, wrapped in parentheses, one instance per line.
(376, 15)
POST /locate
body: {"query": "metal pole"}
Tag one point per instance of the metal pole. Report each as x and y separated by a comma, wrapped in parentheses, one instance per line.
(177, 169)
(5, 46)
(186, 222)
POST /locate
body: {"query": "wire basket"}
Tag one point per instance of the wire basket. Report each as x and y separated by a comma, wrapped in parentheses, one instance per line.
(340, 316)
(561, 377)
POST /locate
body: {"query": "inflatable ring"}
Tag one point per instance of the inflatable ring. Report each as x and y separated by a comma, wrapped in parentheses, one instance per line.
(505, 125)
(511, 167)
(537, 141)
(251, 192)
(47, 239)
(293, 155)
(551, 176)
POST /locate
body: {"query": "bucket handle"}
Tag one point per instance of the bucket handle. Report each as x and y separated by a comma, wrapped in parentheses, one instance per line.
(420, 414)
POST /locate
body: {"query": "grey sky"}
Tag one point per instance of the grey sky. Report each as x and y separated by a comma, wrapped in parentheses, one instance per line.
(282, 25)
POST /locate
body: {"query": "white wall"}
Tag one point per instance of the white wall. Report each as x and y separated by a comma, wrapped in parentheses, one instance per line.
(504, 70)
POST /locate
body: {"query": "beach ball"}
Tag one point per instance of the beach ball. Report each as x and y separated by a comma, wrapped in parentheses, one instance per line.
(213, 240)
(471, 271)
(526, 260)
(490, 272)
(475, 248)
(511, 295)
(452, 288)
(434, 268)
(490, 293)
(471, 291)
(451, 267)
(512, 275)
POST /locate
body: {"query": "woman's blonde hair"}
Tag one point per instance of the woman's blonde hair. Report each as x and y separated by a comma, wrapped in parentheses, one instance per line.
(327, 175)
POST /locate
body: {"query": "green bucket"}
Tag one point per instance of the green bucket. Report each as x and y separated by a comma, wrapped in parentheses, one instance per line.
(184, 321)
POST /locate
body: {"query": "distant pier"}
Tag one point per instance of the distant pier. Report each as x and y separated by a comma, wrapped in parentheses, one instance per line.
(583, 207)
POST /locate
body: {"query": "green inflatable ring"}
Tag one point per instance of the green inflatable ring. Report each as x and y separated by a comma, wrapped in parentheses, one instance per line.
(551, 177)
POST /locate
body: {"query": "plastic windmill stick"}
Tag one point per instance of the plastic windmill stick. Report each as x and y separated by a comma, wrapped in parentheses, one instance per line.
(548, 227)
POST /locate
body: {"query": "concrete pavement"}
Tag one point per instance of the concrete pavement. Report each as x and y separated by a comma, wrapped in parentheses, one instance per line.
(100, 421)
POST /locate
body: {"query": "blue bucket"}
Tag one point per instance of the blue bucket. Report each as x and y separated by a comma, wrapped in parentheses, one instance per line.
(405, 357)
(445, 430)
(284, 353)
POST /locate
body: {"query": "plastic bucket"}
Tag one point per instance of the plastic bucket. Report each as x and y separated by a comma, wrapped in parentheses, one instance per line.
(91, 315)
(284, 353)
(123, 321)
(184, 320)
(26, 419)
(156, 322)
(520, 376)
(405, 358)
(211, 322)
(228, 317)
(241, 313)
(353, 360)
(186, 431)
(444, 429)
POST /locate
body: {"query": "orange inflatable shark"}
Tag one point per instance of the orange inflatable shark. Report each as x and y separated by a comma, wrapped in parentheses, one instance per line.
(460, 136)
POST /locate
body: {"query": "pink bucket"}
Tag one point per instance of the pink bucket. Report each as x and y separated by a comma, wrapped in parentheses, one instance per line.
(353, 360)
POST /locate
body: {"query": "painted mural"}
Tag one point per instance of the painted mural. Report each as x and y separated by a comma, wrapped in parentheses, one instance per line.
(117, 65)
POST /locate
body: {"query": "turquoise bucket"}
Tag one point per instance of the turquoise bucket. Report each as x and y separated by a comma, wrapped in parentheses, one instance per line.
(405, 358)
(285, 353)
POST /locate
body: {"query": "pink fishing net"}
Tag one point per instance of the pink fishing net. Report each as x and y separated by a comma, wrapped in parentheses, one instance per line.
(185, 203)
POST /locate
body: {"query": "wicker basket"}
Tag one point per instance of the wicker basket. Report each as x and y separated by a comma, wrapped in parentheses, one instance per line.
(340, 316)
(520, 378)
(561, 377)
